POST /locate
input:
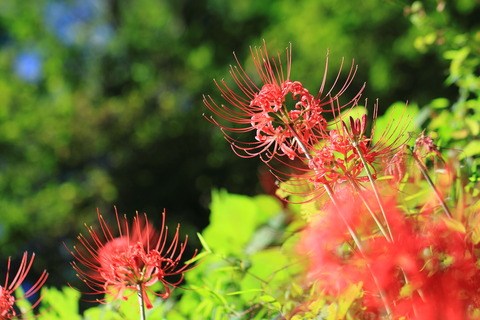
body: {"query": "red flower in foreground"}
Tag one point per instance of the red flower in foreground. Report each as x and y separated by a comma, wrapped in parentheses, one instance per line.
(428, 271)
(7, 298)
(132, 261)
(280, 125)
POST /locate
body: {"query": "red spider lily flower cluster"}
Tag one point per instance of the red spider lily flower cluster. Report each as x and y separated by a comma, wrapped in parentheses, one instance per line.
(132, 261)
(280, 129)
(13, 282)
(327, 152)
(411, 262)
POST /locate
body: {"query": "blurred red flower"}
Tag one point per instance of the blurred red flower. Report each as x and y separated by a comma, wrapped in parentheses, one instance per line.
(428, 271)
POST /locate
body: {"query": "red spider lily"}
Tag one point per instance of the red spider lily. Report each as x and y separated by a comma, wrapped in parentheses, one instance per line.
(344, 154)
(279, 127)
(132, 261)
(7, 298)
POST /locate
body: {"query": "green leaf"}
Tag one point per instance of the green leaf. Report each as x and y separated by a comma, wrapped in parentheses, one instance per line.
(60, 304)
(198, 257)
(23, 304)
(270, 270)
(347, 298)
(271, 302)
(234, 219)
(439, 103)
(203, 242)
(243, 291)
(471, 149)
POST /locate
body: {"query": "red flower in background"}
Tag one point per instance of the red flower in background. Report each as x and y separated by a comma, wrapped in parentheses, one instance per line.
(281, 126)
(12, 282)
(132, 261)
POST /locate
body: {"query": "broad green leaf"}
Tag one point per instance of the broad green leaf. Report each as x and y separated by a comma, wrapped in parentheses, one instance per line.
(60, 304)
(439, 103)
(234, 219)
(473, 125)
(270, 270)
(471, 149)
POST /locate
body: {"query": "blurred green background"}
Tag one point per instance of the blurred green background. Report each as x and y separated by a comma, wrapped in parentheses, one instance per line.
(101, 100)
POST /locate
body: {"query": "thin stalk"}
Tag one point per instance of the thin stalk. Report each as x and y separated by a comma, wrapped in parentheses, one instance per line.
(374, 186)
(141, 302)
(432, 185)
(370, 210)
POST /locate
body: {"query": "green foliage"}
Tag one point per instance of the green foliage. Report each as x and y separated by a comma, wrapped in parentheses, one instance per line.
(397, 119)
(457, 121)
(246, 273)
(375, 34)
(60, 304)
(234, 219)
(63, 304)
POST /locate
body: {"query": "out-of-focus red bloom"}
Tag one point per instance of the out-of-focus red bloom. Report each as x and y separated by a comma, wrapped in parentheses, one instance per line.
(328, 245)
(12, 282)
(279, 125)
(427, 271)
(430, 272)
(132, 261)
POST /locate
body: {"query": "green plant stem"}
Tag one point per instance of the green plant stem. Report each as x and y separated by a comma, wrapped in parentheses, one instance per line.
(374, 186)
(432, 185)
(370, 210)
(141, 302)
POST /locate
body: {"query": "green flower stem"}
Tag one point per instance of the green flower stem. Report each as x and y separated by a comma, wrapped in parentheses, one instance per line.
(374, 186)
(432, 185)
(141, 302)
(370, 210)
